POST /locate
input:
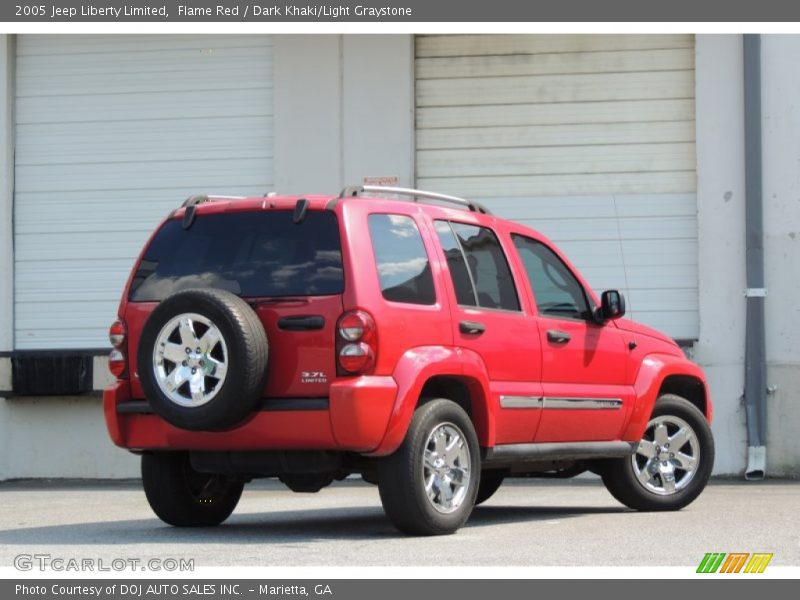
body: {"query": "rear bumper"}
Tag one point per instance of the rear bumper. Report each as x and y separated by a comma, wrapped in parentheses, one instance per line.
(354, 418)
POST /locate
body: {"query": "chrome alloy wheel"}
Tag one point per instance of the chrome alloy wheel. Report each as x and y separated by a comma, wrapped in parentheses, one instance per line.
(667, 458)
(446, 468)
(190, 360)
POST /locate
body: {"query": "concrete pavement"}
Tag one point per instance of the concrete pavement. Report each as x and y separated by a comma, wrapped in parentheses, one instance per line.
(528, 522)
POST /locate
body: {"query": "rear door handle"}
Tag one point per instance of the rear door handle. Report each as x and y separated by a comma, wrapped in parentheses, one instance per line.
(301, 323)
(558, 337)
(471, 327)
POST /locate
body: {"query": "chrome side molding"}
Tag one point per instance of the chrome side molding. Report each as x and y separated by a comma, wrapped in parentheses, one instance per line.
(560, 403)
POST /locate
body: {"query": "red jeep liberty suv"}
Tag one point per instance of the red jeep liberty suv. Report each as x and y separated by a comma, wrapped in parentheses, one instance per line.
(426, 345)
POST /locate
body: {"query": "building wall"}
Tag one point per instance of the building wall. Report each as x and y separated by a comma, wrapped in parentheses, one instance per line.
(721, 222)
(61, 437)
(6, 234)
(112, 133)
(781, 141)
(720, 216)
(345, 111)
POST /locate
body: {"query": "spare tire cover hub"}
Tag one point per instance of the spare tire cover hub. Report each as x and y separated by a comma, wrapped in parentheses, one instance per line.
(190, 360)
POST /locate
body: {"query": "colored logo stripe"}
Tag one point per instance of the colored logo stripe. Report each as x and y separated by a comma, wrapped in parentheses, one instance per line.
(735, 561)
(711, 562)
(758, 563)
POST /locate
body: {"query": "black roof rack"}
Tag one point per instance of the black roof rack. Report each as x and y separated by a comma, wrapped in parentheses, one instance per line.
(416, 195)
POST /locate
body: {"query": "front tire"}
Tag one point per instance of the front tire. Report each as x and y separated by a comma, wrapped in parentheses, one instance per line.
(183, 497)
(672, 463)
(428, 486)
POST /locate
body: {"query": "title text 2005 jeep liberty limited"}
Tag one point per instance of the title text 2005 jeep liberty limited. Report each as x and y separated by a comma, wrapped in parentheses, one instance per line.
(427, 345)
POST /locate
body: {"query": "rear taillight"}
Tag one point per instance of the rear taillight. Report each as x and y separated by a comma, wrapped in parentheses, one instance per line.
(355, 343)
(117, 333)
(117, 362)
(355, 358)
(356, 325)
(352, 326)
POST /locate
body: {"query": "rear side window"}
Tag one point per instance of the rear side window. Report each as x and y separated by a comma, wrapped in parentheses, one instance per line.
(478, 267)
(403, 267)
(251, 254)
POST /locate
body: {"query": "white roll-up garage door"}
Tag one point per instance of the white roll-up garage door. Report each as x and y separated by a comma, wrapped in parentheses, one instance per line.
(587, 138)
(112, 132)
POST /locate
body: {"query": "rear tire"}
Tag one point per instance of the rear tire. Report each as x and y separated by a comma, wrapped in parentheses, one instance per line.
(428, 486)
(225, 359)
(183, 497)
(490, 483)
(673, 461)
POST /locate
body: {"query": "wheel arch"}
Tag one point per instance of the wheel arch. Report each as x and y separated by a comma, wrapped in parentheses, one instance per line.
(686, 386)
(439, 372)
(660, 374)
(465, 391)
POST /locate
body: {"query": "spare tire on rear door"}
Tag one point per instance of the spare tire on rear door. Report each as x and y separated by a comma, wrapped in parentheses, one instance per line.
(202, 359)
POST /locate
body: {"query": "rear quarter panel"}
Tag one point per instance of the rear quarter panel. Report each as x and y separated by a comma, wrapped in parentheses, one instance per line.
(400, 325)
(415, 368)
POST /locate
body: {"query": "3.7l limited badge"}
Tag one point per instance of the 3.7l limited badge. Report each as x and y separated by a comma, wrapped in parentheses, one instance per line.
(313, 377)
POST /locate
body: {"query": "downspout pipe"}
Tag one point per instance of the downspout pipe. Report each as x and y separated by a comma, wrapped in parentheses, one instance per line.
(755, 369)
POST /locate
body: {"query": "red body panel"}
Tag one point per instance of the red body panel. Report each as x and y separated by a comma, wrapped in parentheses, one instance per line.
(415, 368)
(370, 414)
(592, 365)
(654, 369)
(299, 352)
(400, 325)
(360, 409)
(356, 421)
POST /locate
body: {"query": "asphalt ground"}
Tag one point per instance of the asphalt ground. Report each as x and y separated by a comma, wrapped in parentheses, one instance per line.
(528, 522)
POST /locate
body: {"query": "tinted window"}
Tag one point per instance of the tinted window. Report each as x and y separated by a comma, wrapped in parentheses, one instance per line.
(403, 267)
(250, 254)
(558, 293)
(483, 262)
(457, 264)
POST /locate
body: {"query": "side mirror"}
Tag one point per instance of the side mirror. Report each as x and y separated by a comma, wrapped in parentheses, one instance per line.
(612, 305)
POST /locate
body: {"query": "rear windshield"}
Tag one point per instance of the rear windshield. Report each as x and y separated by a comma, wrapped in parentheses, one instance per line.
(246, 253)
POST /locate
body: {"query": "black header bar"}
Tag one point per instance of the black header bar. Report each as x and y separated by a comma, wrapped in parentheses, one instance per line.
(403, 11)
